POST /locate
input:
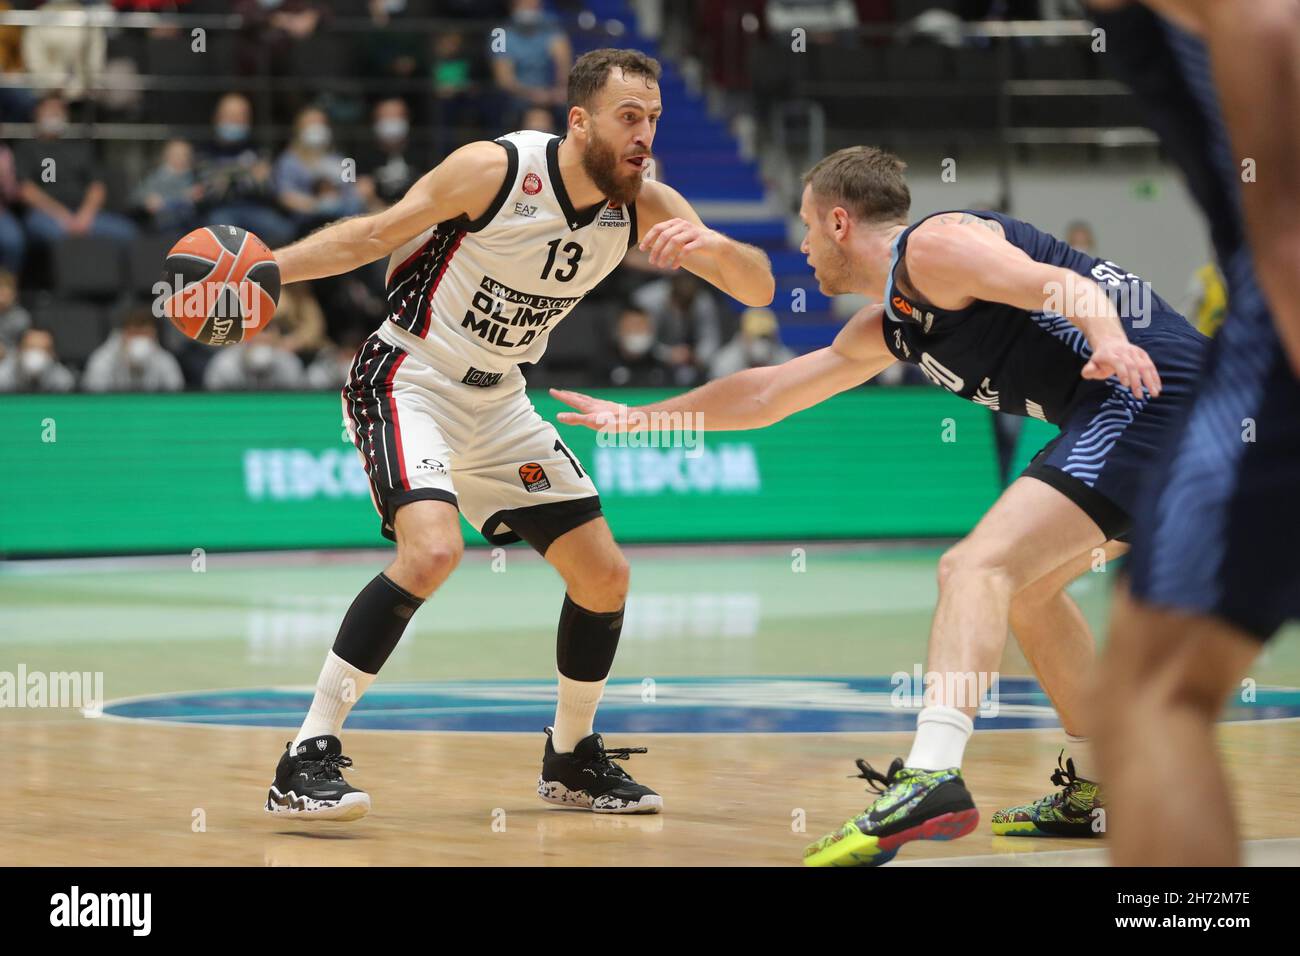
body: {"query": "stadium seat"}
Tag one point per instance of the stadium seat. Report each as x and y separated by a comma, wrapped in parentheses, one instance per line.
(145, 260)
(78, 328)
(322, 54)
(88, 266)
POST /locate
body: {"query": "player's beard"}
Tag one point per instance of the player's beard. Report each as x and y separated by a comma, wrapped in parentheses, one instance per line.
(601, 164)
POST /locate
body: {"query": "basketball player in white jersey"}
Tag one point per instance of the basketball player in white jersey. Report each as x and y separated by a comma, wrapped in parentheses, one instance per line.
(488, 251)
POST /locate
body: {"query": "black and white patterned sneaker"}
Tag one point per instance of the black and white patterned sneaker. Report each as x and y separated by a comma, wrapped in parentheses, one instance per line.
(588, 779)
(309, 783)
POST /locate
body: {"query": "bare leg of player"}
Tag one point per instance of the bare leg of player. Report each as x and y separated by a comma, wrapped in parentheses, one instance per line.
(596, 579)
(1059, 646)
(577, 770)
(308, 779)
(1162, 683)
(1030, 530)
(1057, 642)
(429, 546)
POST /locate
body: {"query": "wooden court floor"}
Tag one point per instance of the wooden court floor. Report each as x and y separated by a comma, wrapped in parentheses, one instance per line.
(107, 791)
(122, 793)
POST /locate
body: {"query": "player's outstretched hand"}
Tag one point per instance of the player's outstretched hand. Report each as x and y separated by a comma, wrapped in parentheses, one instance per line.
(1128, 363)
(671, 241)
(595, 413)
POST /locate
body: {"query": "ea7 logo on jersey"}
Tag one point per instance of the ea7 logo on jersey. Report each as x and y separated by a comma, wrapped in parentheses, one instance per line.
(523, 209)
(534, 477)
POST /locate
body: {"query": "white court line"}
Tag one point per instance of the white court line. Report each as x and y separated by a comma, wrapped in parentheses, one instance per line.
(1284, 851)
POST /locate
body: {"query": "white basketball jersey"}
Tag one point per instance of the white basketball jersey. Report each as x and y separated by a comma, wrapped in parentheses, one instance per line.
(485, 294)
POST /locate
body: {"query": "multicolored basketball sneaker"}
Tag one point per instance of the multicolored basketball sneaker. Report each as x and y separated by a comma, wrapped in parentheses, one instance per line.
(309, 783)
(589, 779)
(1070, 812)
(913, 805)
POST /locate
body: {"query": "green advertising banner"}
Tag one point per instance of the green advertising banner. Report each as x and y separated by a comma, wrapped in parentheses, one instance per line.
(83, 474)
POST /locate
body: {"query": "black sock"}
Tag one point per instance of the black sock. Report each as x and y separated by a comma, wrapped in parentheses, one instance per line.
(374, 624)
(586, 641)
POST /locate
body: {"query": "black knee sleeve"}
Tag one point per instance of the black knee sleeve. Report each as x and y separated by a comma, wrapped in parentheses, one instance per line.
(374, 624)
(586, 641)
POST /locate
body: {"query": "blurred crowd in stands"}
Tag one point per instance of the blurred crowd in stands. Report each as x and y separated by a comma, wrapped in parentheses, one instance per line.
(71, 225)
(75, 218)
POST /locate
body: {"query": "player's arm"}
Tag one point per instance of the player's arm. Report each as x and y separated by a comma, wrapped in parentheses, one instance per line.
(464, 183)
(950, 262)
(756, 397)
(674, 236)
(1260, 93)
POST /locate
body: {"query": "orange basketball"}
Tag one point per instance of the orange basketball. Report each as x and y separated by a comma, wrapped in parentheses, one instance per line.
(222, 285)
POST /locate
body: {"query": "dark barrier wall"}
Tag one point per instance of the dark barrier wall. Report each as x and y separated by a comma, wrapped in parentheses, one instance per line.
(136, 473)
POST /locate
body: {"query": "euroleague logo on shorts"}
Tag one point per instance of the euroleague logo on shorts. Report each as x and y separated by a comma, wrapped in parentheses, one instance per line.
(532, 184)
(534, 477)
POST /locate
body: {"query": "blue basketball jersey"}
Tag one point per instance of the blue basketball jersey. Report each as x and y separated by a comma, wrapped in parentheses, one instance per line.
(1015, 360)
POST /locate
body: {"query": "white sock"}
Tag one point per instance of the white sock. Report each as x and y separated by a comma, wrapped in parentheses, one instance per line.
(1079, 749)
(339, 686)
(575, 710)
(941, 735)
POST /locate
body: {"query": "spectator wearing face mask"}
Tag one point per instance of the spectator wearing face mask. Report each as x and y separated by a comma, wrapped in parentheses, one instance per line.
(309, 177)
(33, 366)
(14, 319)
(686, 320)
(169, 194)
(59, 181)
(131, 360)
(754, 345)
(235, 178)
(385, 167)
(258, 365)
(533, 68)
(636, 360)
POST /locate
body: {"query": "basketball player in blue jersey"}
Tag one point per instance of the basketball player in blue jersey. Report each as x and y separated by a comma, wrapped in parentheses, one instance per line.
(487, 252)
(1215, 570)
(1004, 315)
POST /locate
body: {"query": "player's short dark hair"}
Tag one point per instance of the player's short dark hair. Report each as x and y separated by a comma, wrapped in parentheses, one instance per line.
(866, 181)
(589, 73)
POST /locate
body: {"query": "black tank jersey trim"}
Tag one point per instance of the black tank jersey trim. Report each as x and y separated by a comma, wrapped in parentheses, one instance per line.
(512, 170)
(631, 214)
(575, 219)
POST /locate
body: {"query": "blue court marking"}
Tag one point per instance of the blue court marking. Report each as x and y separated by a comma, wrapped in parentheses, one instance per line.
(718, 705)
